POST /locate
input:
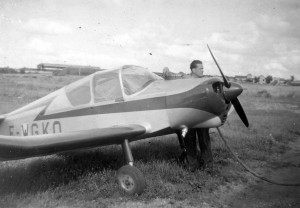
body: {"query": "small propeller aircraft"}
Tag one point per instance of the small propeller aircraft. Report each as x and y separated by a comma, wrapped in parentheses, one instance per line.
(117, 107)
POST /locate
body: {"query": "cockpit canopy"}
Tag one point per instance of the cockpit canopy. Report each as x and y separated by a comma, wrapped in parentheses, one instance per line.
(106, 86)
(110, 86)
(135, 79)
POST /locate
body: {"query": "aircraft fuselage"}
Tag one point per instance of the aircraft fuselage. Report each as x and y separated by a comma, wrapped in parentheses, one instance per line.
(162, 105)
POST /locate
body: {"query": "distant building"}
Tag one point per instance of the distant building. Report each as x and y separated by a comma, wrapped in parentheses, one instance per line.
(249, 76)
(262, 79)
(277, 81)
(27, 70)
(240, 78)
(60, 67)
(231, 79)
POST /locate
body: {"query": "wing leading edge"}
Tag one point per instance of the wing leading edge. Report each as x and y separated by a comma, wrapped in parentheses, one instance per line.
(17, 147)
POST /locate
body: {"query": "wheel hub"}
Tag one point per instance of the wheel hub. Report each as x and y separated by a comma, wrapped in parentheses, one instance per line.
(127, 182)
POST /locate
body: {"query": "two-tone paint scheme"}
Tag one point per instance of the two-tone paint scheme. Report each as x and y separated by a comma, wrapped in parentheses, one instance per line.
(113, 107)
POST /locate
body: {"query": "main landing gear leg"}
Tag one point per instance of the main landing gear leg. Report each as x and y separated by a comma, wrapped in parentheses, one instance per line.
(181, 135)
(131, 179)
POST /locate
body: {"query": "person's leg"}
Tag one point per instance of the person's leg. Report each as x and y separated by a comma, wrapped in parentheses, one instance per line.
(180, 139)
(183, 157)
(191, 149)
(205, 147)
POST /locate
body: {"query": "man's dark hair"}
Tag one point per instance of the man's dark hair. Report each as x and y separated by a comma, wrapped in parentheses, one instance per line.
(194, 64)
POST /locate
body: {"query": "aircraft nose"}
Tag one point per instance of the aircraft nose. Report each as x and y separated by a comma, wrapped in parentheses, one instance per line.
(233, 92)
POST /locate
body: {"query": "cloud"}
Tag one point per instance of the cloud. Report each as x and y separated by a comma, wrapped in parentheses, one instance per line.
(246, 35)
(265, 45)
(223, 40)
(259, 38)
(40, 46)
(46, 26)
(276, 68)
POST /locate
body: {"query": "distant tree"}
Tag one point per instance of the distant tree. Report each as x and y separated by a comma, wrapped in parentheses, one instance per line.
(22, 71)
(292, 78)
(269, 79)
(7, 70)
(256, 79)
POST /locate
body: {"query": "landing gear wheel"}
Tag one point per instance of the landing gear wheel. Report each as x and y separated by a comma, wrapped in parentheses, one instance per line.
(131, 180)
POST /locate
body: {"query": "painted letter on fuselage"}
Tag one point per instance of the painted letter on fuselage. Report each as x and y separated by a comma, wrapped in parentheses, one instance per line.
(24, 128)
(45, 128)
(36, 132)
(56, 123)
(11, 130)
(36, 128)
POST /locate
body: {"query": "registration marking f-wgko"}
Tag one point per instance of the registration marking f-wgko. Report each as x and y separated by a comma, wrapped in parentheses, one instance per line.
(47, 127)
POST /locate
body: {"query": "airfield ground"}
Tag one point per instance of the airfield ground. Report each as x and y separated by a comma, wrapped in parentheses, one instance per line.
(270, 146)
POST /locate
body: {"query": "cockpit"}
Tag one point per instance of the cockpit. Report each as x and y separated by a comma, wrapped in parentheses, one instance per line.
(135, 79)
(110, 86)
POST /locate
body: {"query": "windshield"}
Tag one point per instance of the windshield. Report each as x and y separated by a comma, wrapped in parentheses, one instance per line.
(79, 93)
(107, 86)
(135, 78)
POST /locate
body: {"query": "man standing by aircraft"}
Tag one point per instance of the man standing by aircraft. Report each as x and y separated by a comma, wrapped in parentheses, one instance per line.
(205, 158)
(194, 160)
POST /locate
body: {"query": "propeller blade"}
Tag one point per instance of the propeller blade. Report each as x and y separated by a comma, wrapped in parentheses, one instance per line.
(240, 111)
(226, 82)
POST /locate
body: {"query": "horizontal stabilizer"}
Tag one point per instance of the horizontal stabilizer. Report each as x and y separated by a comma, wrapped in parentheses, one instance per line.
(18, 147)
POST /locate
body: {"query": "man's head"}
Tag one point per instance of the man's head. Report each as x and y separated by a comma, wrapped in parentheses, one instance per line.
(197, 68)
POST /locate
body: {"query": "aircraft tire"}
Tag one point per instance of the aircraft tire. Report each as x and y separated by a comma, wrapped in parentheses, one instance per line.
(131, 180)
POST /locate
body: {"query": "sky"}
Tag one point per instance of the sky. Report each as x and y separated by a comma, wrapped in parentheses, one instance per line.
(261, 37)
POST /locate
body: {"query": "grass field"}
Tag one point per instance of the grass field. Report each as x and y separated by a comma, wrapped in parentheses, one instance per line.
(87, 179)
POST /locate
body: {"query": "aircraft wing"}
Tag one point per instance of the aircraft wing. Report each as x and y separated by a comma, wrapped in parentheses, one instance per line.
(18, 147)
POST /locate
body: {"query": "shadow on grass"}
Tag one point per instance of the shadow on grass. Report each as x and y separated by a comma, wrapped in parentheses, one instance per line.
(40, 174)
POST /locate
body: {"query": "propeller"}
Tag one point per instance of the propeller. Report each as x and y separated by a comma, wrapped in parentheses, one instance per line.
(240, 111)
(230, 95)
(226, 82)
